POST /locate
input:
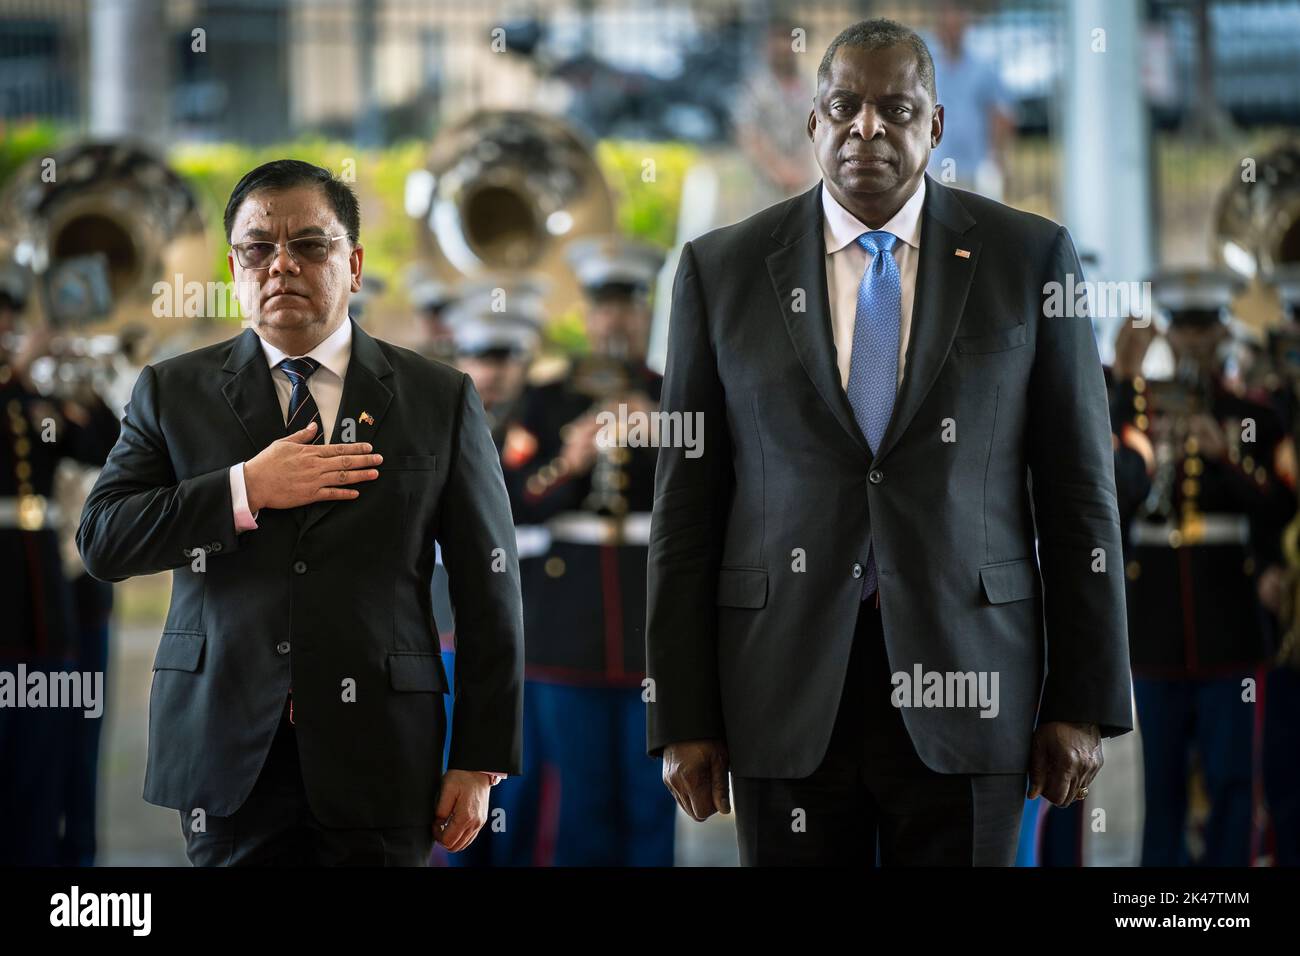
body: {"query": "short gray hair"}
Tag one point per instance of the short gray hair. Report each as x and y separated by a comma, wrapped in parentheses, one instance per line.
(875, 35)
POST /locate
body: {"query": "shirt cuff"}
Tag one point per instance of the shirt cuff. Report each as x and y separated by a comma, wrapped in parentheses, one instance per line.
(244, 521)
(496, 778)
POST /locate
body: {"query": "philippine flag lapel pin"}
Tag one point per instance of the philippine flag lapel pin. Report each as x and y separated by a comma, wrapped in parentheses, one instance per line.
(962, 253)
(365, 417)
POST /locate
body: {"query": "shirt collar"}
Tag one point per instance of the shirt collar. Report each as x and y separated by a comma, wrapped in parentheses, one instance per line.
(332, 351)
(840, 227)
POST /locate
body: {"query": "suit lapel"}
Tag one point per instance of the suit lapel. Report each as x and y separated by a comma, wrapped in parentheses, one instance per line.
(800, 264)
(251, 393)
(942, 283)
(364, 390)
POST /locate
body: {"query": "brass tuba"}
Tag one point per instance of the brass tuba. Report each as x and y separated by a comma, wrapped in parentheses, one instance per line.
(501, 193)
(97, 226)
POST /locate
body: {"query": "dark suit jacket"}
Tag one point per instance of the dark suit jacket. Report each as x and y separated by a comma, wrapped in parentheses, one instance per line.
(324, 594)
(745, 646)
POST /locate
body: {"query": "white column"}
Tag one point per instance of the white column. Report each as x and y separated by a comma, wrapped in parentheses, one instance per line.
(1106, 146)
(128, 69)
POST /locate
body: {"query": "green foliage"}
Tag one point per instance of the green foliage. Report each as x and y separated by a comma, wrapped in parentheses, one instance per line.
(20, 142)
(647, 182)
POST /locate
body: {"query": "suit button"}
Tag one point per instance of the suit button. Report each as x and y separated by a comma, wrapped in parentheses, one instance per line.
(216, 545)
(300, 567)
(876, 476)
(282, 647)
(857, 570)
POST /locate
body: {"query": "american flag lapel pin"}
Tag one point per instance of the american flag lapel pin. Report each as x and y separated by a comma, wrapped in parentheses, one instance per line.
(962, 253)
(365, 417)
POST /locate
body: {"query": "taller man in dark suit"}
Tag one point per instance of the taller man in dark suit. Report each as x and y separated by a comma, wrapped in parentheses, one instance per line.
(296, 713)
(906, 490)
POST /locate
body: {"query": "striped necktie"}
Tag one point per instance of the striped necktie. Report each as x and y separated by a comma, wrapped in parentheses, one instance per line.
(302, 407)
(873, 364)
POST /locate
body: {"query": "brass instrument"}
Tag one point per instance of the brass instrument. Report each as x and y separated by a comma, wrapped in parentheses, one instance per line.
(105, 230)
(1171, 405)
(1257, 222)
(502, 192)
(606, 379)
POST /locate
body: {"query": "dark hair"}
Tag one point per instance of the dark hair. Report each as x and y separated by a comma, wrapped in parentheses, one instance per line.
(878, 34)
(288, 173)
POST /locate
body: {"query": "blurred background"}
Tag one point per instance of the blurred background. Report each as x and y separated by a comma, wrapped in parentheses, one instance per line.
(527, 172)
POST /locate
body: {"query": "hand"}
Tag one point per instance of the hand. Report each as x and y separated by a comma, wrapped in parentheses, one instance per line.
(579, 452)
(290, 472)
(638, 402)
(1131, 344)
(1213, 444)
(1064, 759)
(1269, 588)
(696, 773)
(462, 808)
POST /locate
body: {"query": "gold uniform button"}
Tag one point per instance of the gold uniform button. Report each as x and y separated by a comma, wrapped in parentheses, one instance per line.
(1133, 570)
(554, 567)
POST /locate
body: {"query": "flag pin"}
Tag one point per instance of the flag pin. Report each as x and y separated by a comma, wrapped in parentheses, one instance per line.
(963, 253)
(365, 417)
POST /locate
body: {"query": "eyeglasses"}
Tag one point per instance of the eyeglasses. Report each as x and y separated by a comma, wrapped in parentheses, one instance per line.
(260, 255)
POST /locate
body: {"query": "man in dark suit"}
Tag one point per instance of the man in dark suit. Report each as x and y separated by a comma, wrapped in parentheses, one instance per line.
(296, 712)
(906, 487)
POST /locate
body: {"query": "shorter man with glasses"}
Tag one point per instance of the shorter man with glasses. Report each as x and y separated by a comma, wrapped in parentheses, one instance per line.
(294, 480)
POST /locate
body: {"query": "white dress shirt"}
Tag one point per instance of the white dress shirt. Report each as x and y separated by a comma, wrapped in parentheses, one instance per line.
(326, 387)
(846, 263)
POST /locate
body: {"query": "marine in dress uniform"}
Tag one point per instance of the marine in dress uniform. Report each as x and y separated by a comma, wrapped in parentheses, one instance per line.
(39, 758)
(1210, 524)
(1281, 746)
(594, 488)
(496, 331)
(431, 301)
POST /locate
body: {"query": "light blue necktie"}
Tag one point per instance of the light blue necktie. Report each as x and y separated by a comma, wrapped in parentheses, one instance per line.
(873, 365)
